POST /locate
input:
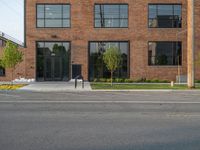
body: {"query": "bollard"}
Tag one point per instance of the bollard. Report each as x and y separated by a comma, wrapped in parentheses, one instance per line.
(76, 82)
(172, 83)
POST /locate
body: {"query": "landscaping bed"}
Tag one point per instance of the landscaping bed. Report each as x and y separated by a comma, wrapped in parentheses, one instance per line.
(125, 86)
(11, 86)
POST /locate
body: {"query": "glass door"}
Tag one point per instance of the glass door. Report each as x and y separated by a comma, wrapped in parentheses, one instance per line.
(53, 69)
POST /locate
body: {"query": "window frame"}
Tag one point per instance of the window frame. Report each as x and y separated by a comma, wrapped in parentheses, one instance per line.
(110, 4)
(49, 41)
(61, 4)
(120, 41)
(173, 4)
(151, 65)
(4, 72)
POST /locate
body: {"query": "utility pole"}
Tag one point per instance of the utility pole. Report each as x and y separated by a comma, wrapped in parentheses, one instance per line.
(190, 43)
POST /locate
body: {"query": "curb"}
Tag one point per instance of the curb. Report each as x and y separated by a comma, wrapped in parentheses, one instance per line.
(78, 91)
(146, 90)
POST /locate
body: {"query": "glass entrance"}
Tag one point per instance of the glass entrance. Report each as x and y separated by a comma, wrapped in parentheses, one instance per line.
(53, 61)
(53, 69)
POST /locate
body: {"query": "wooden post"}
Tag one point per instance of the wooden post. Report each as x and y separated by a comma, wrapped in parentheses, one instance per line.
(190, 43)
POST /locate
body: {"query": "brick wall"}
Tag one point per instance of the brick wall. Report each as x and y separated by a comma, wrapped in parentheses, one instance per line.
(82, 31)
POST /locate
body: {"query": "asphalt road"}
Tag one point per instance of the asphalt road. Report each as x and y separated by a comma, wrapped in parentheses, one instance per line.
(100, 121)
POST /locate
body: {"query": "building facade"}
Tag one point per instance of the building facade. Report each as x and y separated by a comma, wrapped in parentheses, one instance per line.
(65, 38)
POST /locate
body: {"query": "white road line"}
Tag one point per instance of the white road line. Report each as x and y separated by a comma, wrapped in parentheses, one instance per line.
(105, 102)
(9, 95)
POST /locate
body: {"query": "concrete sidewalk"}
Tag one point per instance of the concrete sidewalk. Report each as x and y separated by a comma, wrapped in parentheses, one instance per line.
(56, 87)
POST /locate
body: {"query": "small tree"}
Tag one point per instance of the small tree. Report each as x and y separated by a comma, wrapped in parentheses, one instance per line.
(11, 56)
(112, 59)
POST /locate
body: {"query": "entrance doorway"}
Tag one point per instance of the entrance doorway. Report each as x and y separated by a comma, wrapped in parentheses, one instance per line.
(53, 69)
(53, 61)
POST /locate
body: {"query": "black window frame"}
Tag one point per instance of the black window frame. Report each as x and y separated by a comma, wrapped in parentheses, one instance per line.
(4, 72)
(49, 41)
(103, 41)
(110, 4)
(173, 65)
(172, 4)
(59, 4)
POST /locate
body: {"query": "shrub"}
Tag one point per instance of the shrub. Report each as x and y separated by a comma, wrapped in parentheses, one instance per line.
(128, 81)
(141, 80)
(96, 80)
(102, 80)
(119, 80)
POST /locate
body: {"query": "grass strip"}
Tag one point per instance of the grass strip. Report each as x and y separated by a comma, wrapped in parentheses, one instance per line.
(105, 86)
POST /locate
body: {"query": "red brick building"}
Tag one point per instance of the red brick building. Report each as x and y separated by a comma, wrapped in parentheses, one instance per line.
(67, 37)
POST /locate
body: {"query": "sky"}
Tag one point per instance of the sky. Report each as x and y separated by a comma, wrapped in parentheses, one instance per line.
(12, 18)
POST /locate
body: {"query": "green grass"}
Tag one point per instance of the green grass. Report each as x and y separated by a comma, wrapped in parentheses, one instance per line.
(11, 87)
(106, 86)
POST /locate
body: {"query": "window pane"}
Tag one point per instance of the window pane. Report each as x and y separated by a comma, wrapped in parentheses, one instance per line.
(112, 23)
(165, 23)
(53, 16)
(177, 10)
(165, 10)
(97, 67)
(66, 11)
(40, 48)
(40, 22)
(165, 53)
(177, 23)
(53, 48)
(124, 23)
(40, 11)
(153, 23)
(53, 23)
(66, 47)
(2, 72)
(111, 16)
(53, 52)
(53, 11)
(97, 11)
(165, 16)
(66, 23)
(98, 23)
(123, 11)
(152, 11)
(111, 11)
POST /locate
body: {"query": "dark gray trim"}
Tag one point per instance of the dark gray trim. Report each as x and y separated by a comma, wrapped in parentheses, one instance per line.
(128, 63)
(126, 4)
(173, 11)
(165, 65)
(55, 18)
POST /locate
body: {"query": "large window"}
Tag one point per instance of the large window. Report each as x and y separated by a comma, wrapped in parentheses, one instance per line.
(111, 16)
(165, 16)
(53, 16)
(53, 61)
(2, 72)
(97, 68)
(165, 53)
